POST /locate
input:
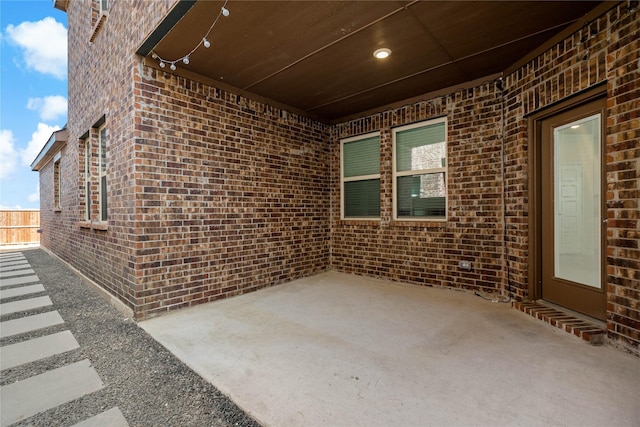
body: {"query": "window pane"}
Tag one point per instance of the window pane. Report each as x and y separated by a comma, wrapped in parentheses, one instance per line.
(56, 184)
(362, 198)
(421, 148)
(103, 150)
(103, 198)
(361, 157)
(87, 179)
(421, 195)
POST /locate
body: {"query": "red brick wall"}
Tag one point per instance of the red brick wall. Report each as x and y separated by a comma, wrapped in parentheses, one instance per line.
(429, 252)
(100, 84)
(623, 178)
(232, 195)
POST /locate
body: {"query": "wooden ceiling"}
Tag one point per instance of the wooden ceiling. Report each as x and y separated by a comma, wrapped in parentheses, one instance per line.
(317, 56)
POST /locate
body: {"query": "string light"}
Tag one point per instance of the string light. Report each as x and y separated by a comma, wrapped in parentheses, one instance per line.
(162, 62)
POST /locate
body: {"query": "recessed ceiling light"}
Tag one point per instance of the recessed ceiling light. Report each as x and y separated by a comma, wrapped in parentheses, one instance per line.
(382, 53)
(575, 126)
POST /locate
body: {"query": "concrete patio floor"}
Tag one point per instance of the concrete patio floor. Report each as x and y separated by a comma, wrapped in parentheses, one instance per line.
(343, 350)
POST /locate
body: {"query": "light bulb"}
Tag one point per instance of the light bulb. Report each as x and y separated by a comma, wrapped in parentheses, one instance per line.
(382, 53)
(185, 59)
(161, 64)
(206, 42)
(173, 66)
(225, 11)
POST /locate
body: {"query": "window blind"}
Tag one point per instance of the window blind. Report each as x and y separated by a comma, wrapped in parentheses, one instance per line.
(361, 157)
(420, 148)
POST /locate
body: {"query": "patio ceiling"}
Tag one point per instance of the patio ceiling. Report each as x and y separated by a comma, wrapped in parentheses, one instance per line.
(317, 56)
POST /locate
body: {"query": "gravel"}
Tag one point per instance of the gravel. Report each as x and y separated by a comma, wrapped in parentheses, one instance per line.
(149, 385)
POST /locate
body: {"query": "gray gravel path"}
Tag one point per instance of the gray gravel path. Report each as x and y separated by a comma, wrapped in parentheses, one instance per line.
(144, 380)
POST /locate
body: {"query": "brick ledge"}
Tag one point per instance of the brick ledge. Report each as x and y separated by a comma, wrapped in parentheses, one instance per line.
(582, 328)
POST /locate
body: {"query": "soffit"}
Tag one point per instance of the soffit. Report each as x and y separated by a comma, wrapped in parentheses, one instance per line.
(316, 56)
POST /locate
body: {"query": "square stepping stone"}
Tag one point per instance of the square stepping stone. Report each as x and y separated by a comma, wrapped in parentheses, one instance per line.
(29, 323)
(13, 273)
(35, 349)
(24, 305)
(18, 280)
(112, 418)
(23, 290)
(28, 397)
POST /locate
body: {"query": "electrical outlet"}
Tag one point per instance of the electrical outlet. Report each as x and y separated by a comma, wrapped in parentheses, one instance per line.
(465, 265)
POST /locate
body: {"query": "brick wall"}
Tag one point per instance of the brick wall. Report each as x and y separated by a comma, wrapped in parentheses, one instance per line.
(100, 84)
(429, 252)
(232, 195)
(623, 178)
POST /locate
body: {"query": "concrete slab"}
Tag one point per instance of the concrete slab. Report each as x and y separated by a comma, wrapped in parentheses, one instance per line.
(13, 265)
(11, 255)
(35, 349)
(24, 305)
(23, 290)
(13, 273)
(338, 349)
(25, 398)
(29, 323)
(111, 418)
(18, 280)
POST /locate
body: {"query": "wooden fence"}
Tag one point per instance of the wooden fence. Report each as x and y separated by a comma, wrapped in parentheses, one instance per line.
(19, 227)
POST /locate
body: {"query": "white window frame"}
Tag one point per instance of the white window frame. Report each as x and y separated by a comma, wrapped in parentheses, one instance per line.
(442, 169)
(356, 178)
(87, 179)
(102, 172)
(57, 184)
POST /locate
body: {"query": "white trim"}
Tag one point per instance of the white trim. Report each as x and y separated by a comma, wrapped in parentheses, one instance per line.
(87, 179)
(57, 184)
(101, 173)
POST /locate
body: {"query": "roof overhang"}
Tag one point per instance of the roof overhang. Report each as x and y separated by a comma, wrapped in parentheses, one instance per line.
(61, 4)
(317, 56)
(56, 141)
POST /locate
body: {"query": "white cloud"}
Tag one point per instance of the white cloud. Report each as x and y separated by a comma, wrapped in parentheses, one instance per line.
(44, 45)
(10, 207)
(38, 139)
(35, 197)
(8, 154)
(50, 108)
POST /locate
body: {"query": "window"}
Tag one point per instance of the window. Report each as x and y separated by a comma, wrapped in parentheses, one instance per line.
(102, 171)
(57, 182)
(99, 12)
(87, 179)
(360, 177)
(420, 171)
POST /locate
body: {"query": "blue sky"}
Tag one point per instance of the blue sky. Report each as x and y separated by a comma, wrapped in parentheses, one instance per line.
(33, 90)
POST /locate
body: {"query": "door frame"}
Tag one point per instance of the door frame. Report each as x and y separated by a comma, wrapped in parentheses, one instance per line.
(535, 180)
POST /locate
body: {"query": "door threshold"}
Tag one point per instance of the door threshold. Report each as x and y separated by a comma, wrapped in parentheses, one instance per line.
(592, 330)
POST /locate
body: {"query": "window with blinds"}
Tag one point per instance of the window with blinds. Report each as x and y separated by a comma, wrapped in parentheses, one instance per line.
(360, 177)
(420, 171)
